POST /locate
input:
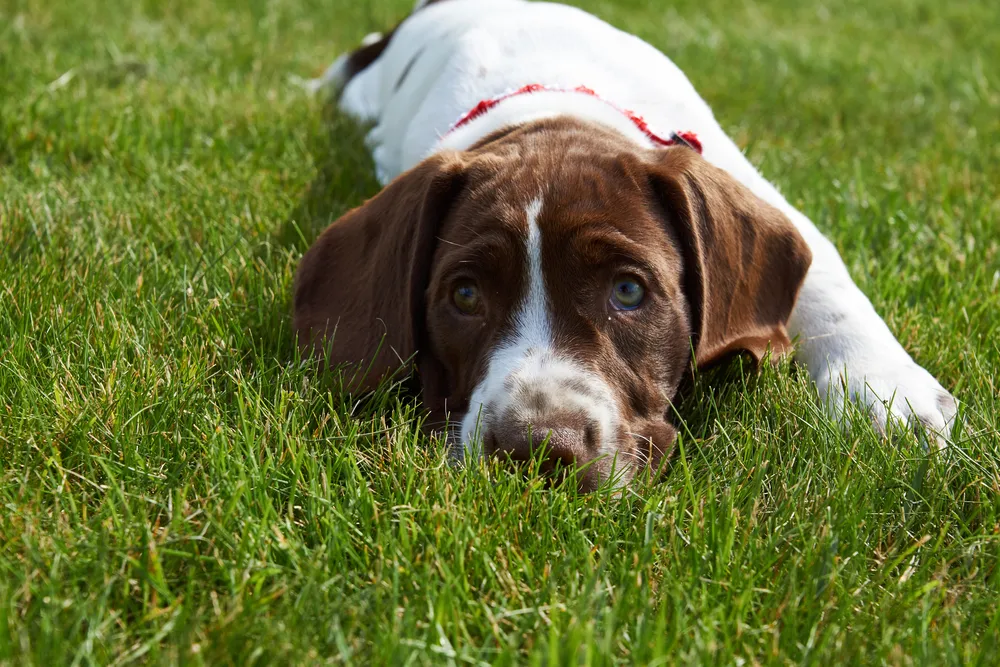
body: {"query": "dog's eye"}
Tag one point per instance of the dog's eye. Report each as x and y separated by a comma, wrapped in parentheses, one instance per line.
(466, 297)
(627, 293)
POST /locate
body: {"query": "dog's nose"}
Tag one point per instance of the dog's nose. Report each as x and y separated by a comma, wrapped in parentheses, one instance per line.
(564, 443)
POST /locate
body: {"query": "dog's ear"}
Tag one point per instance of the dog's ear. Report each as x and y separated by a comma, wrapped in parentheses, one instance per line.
(359, 290)
(744, 261)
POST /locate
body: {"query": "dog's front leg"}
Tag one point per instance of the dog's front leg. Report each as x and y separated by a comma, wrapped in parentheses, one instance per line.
(849, 351)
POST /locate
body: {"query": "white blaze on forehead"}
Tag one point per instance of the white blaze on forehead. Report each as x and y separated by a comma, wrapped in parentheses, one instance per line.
(528, 360)
(533, 325)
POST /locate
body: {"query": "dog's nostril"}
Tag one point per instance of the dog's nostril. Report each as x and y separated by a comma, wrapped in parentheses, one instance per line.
(565, 445)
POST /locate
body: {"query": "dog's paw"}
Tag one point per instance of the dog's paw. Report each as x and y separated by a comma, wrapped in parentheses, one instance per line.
(329, 83)
(890, 389)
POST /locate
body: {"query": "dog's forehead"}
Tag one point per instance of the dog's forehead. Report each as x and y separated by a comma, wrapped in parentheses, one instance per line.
(572, 191)
(590, 202)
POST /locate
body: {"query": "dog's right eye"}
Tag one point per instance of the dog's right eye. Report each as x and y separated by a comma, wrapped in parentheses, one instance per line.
(465, 296)
(627, 293)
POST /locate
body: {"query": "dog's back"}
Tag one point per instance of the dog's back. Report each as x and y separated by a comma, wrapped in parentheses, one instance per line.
(447, 56)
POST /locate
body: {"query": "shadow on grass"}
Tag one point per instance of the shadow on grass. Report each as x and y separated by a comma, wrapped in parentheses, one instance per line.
(344, 178)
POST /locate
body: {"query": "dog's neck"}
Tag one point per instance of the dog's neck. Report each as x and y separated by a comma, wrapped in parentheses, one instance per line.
(527, 105)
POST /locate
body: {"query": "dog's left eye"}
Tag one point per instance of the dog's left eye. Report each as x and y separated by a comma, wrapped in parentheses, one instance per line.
(465, 296)
(627, 293)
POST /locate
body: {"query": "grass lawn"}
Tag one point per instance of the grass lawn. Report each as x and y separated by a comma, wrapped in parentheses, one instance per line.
(176, 486)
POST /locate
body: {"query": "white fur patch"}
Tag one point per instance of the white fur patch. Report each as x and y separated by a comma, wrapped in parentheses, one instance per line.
(533, 320)
(529, 365)
(370, 39)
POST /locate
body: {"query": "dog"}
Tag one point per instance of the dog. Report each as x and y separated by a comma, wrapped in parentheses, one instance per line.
(564, 231)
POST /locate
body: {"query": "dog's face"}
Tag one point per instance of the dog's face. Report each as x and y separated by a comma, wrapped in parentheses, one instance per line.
(552, 283)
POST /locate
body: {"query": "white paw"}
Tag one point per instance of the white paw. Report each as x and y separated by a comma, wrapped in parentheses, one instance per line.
(329, 83)
(894, 388)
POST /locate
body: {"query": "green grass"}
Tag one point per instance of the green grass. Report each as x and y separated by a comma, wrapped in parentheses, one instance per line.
(177, 487)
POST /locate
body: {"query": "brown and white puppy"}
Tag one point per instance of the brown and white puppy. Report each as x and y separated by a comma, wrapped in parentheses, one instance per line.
(554, 249)
(551, 282)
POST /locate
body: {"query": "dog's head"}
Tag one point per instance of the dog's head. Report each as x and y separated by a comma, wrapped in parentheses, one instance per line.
(552, 285)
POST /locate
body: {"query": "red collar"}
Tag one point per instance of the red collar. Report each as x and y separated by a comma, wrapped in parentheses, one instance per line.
(689, 139)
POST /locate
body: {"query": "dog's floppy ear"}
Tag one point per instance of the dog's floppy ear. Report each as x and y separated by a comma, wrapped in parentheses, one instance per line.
(744, 261)
(359, 290)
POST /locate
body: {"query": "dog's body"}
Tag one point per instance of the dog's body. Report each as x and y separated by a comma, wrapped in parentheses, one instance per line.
(451, 56)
